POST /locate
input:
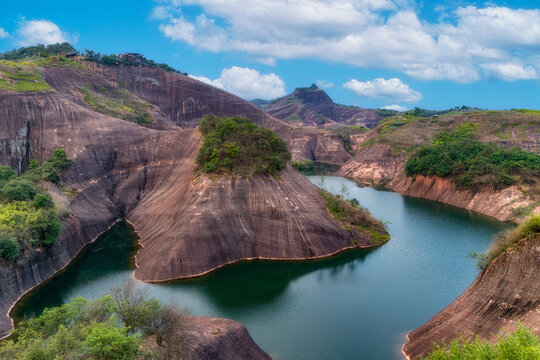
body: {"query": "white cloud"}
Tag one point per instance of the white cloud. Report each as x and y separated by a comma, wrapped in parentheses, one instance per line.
(381, 88)
(159, 13)
(324, 84)
(247, 83)
(45, 32)
(395, 107)
(3, 33)
(511, 72)
(379, 34)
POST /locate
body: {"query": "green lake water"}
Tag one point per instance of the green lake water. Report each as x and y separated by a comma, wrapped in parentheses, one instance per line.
(357, 306)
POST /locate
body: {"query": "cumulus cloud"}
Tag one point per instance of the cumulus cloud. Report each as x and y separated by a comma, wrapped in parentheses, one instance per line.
(3, 33)
(381, 88)
(247, 83)
(366, 33)
(32, 32)
(511, 72)
(395, 107)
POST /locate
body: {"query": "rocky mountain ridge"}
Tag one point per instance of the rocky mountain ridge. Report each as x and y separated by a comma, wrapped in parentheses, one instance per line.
(311, 106)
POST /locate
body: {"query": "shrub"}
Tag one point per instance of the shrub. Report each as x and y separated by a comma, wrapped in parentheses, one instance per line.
(95, 329)
(507, 239)
(470, 163)
(9, 248)
(6, 173)
(43, 200)
(353, 215)
(26, 215)
(523, 344)
(18, 190)
(238, 147)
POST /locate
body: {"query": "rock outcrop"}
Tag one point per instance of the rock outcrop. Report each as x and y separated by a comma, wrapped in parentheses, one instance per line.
(146, 175)
(506, 292)
(219, 339)
(379, 165)
(185, 100)
(313, 107)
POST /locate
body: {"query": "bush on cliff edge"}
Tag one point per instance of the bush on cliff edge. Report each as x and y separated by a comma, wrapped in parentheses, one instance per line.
(236, 146)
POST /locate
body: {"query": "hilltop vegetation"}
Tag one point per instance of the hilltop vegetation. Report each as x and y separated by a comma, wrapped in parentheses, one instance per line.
(111, 327)
(474, 148)
(419, 112)
(42, 50)
(236, 146)
(470, 163)
(58, 52)
(28, 216)
(522, 344)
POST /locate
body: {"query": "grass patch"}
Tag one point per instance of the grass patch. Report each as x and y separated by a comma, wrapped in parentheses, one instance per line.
(118, 103)
(522, 344)
(351, 215)
(236, 146)
(21, 76)
(507, 240)
(527, 111)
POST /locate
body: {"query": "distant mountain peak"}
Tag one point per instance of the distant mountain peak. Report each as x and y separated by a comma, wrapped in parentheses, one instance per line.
(312, 106)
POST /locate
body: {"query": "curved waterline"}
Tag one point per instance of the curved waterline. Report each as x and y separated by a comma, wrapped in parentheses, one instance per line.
(357, 306)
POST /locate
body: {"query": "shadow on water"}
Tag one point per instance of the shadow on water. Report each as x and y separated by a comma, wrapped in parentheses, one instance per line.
(250, 283)
(111, 252)
(258, 283)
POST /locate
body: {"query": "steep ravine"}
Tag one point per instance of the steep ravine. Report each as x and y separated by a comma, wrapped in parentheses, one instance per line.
(507, 291)
(379, 165)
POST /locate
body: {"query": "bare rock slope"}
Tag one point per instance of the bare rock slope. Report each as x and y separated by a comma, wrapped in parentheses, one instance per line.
(220, 339)
(146, 175)
(508, 290)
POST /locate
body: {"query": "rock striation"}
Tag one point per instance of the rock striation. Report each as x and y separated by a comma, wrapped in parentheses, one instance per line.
(379, 165)
(506, 292)
(219, 339)
(185, 100)
(188, 225)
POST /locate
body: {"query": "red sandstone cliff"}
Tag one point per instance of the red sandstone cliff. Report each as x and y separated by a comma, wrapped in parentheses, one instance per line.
(508, 290)
(378, 164)
(146, 175)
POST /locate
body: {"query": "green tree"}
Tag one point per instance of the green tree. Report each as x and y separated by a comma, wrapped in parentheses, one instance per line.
(105, 341)
(18, 190)
(43, 200)
(9, 248)
(6, 173)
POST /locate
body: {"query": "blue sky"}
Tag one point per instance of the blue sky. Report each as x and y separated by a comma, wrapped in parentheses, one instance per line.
(371, 53)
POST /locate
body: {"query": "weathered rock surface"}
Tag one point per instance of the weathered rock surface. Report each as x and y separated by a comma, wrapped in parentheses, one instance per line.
(508, 290)
(185, 100)
(219, 339)
(379, 165)
(146, 175)
(217, 222)
(313, 107)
